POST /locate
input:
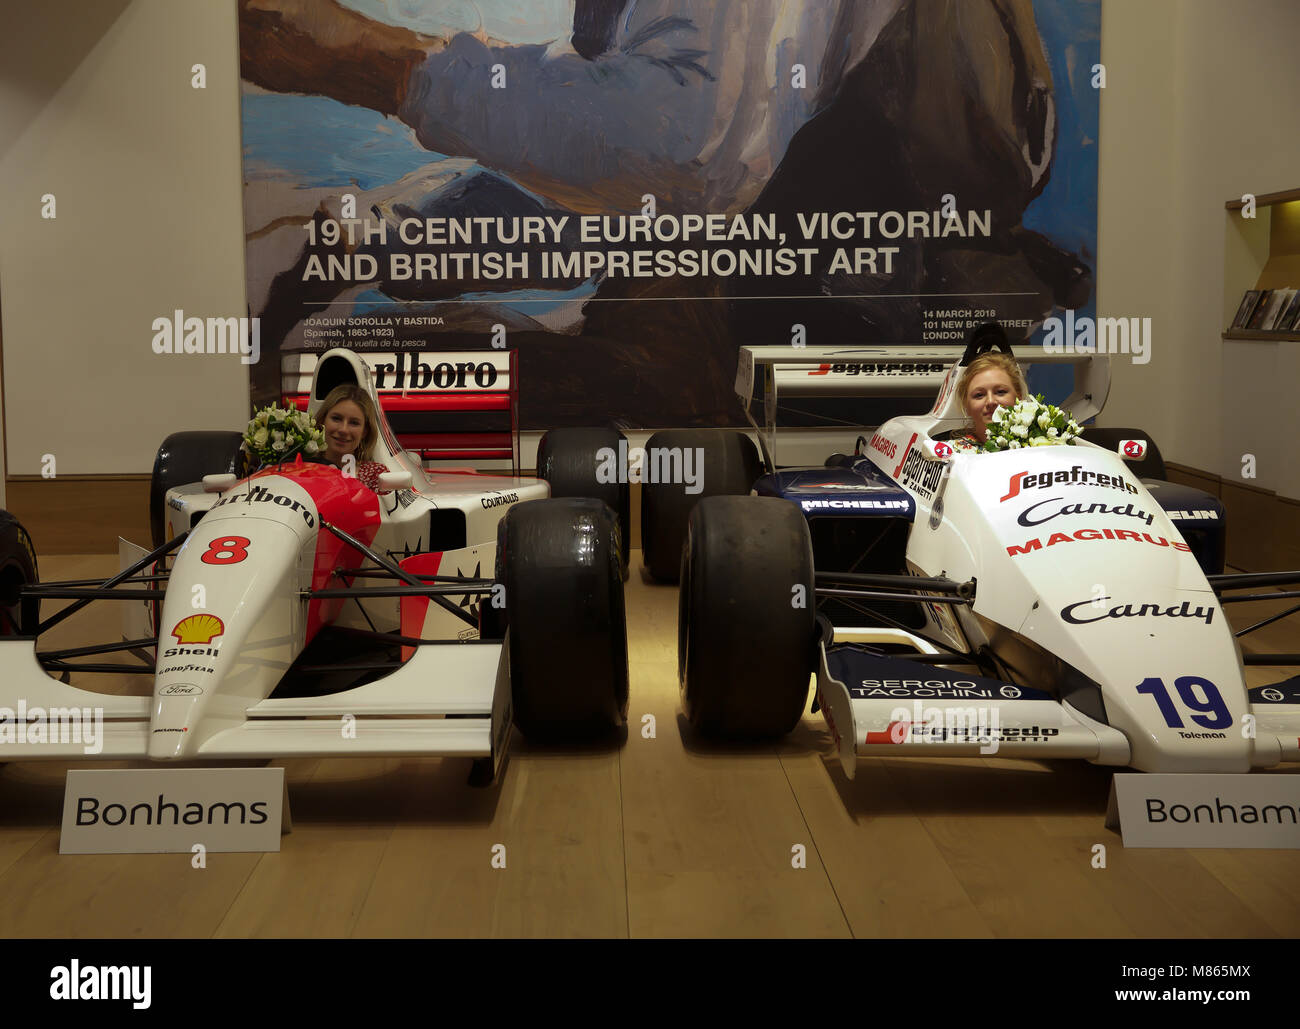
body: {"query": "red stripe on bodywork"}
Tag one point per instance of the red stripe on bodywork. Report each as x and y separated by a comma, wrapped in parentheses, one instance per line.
(414, 609)
(344, 502)
(903, 460)
(895, 733)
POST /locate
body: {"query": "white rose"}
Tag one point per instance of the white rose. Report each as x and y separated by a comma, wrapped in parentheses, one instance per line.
(260, 437)
(312, 447)
(1044, 420)
(278, 445)
(278, 436)
(1014, 445)
(263, 416)
(1052, 432)
(1019, 430)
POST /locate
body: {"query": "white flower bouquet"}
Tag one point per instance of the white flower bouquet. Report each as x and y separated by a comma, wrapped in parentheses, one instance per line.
(1030, 423)
(276, 434)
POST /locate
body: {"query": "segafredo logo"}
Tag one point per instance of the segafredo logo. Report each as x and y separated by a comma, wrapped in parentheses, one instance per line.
(261, 495)
(916, 473)
(1076, 476)
(1072, 612)
(102, 982)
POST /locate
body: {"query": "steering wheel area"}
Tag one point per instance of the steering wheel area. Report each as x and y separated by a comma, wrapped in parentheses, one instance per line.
(986, 337)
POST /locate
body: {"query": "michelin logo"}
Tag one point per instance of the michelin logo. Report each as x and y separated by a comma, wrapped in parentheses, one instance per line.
(854, 505)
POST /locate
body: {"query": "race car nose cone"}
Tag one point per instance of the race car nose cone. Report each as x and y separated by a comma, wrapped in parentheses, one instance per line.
(169, 732)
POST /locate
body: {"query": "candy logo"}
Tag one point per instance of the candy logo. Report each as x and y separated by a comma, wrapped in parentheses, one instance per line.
(198, 629)
(1134, 448)
(942, 449)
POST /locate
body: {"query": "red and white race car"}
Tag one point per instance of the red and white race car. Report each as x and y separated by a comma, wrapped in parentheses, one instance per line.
(295, 612)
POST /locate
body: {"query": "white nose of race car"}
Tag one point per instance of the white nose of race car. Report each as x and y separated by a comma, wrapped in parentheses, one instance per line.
(232, 621)
(1167, 667)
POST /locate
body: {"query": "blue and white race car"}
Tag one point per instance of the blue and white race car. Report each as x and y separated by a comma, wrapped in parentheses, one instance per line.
(1056, 601)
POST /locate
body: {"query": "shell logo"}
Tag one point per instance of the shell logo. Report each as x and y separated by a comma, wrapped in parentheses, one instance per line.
(198, 629)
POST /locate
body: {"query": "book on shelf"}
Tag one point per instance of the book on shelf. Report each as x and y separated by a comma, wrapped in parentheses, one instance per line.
(1263, 310)
(1277, 303)
(1247, 308)
(1287, 321)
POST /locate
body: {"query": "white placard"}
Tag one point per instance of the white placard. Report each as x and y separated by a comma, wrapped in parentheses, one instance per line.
(169, 810)
(1232, 811)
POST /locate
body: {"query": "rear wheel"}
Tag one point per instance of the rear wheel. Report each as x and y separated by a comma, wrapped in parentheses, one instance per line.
(558, 562)
(186, 457)
(17, 569)
(727, 465)
(746, 621)
(568, 460)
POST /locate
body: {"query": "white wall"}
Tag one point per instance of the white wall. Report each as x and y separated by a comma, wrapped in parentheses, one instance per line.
(98, 109)
(96, 99)
(1199, 108)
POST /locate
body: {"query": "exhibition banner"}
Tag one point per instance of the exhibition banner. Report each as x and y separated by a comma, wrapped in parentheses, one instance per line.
(627, 191)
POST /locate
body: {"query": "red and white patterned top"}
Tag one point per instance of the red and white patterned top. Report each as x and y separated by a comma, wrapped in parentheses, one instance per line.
(368, 472)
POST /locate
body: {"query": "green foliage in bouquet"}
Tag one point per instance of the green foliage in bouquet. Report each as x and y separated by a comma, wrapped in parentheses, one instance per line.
(276, 435)
(1030, 423)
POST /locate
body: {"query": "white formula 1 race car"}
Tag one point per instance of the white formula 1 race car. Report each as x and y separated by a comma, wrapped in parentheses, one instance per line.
(294, 612)
(1037, 603)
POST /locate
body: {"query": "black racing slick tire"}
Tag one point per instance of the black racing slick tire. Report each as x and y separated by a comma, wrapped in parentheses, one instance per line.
(567, 634)
(1150, 467)
(746, 637)
(17, 569)
(186, 457)
(729, 465)
(568, 460)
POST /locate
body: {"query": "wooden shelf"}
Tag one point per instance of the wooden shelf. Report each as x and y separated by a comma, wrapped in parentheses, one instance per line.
(1259, 334)
(1267, 199)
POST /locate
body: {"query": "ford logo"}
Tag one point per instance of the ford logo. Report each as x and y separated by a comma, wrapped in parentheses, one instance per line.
(180, 689)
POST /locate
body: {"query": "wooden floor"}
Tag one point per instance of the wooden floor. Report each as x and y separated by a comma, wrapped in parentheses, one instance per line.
(660, 837)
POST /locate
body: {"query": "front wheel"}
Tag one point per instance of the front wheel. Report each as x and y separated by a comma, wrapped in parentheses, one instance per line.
(747, 628)
(558, 561)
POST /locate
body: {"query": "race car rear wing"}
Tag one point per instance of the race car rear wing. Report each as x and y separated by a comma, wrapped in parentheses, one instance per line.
(441, 405)
(766, 372)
